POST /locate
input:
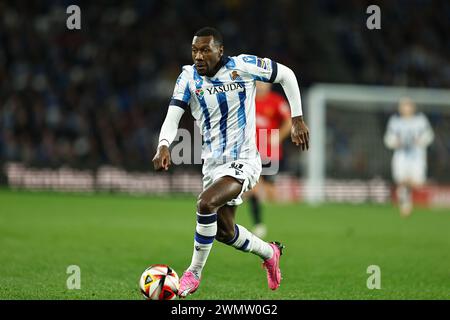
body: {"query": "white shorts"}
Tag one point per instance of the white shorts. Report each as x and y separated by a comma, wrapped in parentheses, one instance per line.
(245, 170)
(409, 170)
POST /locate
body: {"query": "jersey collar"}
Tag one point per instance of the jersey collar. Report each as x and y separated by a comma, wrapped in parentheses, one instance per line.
(223, 61)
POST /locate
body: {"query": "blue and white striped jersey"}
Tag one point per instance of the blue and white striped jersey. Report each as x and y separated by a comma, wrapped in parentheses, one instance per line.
(224, 105)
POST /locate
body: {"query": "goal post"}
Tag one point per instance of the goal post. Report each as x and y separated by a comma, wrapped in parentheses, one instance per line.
(358, 98)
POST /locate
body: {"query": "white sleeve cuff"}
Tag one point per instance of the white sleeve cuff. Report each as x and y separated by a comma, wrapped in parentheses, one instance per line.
(170, 126)
(163, 142)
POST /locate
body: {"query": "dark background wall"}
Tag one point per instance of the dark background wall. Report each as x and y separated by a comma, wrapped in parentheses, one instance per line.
(98, 95)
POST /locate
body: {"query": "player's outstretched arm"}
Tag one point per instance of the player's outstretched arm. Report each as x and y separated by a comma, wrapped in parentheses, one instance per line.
(391, 140)
(299, 131)
(426, 135)
(162, 160)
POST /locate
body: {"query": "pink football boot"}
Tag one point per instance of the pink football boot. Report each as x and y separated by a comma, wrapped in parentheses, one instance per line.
(188, 284)
(272, 266)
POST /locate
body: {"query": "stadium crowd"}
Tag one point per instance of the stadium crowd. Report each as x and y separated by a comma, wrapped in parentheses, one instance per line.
(98, 95)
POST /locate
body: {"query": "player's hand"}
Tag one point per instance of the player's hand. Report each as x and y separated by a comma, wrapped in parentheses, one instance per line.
(161, 160)
(300, 133)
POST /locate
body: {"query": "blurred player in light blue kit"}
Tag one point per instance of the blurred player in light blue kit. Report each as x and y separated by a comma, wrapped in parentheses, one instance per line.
(408, 134)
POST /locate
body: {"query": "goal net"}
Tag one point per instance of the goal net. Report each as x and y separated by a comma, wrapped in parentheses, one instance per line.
(348, 160)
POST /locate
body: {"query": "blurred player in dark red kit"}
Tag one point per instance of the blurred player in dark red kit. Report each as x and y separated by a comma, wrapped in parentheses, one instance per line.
(273, 125)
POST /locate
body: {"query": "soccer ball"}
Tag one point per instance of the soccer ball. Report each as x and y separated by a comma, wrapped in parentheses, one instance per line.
(159, 282)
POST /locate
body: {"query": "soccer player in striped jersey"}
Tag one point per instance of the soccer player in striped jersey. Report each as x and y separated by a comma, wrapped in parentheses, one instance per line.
(220, 93)
(408, 134)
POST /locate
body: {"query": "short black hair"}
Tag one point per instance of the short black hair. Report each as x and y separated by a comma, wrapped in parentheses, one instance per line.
(209, 31)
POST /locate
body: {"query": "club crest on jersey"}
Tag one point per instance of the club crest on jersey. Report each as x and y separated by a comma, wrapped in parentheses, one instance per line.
(235, 76)
(200, 93)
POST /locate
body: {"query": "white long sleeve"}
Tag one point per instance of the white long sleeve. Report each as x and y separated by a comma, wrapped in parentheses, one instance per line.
(288, 81)
(427, 135)
(170, 126)
(391, 140)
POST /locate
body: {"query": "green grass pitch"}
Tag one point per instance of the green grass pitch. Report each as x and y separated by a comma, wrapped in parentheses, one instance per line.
(113, 238)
